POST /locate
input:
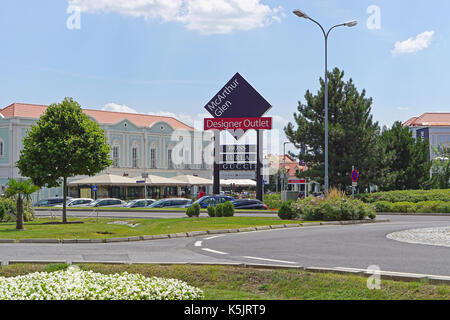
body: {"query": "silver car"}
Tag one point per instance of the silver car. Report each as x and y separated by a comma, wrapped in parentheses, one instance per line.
(107, 202)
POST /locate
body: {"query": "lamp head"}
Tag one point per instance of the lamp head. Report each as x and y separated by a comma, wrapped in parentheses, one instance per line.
(351, 23)
(300, 13)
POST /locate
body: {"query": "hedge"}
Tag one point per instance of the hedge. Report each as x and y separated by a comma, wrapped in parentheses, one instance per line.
(411, 207)
(414, 196)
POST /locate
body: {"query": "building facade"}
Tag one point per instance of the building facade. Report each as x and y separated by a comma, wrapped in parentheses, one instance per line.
(435, 127)
(139, 143)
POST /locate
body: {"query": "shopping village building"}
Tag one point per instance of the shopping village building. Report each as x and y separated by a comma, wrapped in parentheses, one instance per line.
(139, 143)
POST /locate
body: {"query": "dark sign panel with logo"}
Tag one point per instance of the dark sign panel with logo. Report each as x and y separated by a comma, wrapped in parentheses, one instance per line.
(239, 148)
(238, 166)
(237, 99)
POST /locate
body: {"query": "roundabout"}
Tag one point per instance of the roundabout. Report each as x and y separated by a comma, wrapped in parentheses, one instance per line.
(425, 236)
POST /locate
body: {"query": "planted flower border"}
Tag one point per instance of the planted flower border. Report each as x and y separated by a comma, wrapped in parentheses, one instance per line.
(76, 284)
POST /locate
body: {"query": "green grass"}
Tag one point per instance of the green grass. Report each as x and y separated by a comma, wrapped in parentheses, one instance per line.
(234, 283)
(100, 229)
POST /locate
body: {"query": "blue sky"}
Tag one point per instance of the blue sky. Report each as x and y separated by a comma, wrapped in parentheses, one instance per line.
(172, 56)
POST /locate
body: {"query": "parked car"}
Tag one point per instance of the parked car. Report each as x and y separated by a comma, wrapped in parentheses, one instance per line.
(249, 204)
(206, 201)
(171, 203)
(107, 202)
(51, 202)
(76, 202)
(140, 203)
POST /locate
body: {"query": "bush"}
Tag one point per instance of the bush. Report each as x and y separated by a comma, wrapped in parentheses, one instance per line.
(273, 201)
(335, 209)
(8, 211)
(219, 210)
(211, 211)
(411, 207)
(406, 196)
(286, 211)
(197, 208)
(228, 209)
(190, 211)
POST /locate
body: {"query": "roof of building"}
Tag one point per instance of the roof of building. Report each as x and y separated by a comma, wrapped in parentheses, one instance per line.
(33, 111)
(429, 119)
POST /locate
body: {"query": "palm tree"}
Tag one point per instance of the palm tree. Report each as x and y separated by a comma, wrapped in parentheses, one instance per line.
(20, 190)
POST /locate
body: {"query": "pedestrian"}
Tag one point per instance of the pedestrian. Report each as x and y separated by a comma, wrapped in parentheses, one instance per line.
(201, 194)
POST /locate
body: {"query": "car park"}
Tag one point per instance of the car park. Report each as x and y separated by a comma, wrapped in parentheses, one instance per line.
(249, 204)
(171, 203)
(50, 202)
(214, 200)
(139, 203)
(107, 202)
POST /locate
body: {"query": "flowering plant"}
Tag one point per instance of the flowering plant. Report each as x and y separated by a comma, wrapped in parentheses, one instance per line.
(76, 284)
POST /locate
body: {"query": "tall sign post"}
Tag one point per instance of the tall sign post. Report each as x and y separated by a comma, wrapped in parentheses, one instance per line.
(237, 108)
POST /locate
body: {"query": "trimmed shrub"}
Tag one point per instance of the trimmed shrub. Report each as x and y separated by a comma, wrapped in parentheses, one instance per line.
(197, 208)
(406, 196)
(219, 210)
(8, 211)
(286, 211)
(190, 211)
(383, 206)
(228, 209)
(211, 211)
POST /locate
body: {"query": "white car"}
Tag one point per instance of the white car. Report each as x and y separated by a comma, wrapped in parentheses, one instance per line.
(77, 202)
(139, 203)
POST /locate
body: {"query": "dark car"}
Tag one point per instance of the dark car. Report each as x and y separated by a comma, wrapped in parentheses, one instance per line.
(108, 202)
(51, 202)
(206, 201)
(249, 204)
(171, 203)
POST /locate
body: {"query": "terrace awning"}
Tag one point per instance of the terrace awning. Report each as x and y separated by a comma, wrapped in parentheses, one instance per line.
(193, 180)
(106, 179)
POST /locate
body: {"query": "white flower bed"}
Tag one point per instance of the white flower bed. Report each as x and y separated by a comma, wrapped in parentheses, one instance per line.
(75, 284)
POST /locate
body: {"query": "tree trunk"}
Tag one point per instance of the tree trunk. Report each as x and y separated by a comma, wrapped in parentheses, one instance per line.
(19, 217)
(64, 216)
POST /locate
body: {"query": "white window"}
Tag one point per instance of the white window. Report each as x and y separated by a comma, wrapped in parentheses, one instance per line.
(134, 157)
(153, 158)
(116, 158)
(169, 159)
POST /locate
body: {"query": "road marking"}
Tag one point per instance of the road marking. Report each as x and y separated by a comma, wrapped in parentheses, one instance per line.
(198, 243)
(213, 237)
(270, 260)
(214, 251)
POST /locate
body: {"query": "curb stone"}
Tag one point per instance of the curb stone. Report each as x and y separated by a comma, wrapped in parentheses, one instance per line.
(39, 241)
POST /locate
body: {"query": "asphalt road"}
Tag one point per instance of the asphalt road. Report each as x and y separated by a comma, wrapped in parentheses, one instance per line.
(351, 246)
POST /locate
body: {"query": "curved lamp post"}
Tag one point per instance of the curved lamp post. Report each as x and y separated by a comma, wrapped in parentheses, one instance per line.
(301, 14)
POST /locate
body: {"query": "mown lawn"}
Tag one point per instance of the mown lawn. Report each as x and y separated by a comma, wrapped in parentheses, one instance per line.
(234, 283)
(91, 228)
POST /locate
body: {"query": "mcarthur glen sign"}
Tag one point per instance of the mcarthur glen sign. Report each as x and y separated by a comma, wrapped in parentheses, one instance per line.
(238, 107)
(237, 99)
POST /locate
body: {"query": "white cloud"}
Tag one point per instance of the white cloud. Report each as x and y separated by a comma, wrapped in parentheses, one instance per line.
(204, 16)
(412, 45)
(118, 108)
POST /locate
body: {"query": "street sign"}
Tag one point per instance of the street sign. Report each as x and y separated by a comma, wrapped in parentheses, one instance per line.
(94, 188)
(140, 181)
(355, 176)
(237, 99)
(238, 175)
(296, 181)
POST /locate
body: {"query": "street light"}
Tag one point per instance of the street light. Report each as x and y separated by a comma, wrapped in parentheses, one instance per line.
(349, 24)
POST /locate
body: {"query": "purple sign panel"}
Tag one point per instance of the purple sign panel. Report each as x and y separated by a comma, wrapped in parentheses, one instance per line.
(238, 99)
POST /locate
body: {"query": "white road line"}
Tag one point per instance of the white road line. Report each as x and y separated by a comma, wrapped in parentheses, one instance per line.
(198, 243)
(213, 237)
(214, 251)
(270, 260)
